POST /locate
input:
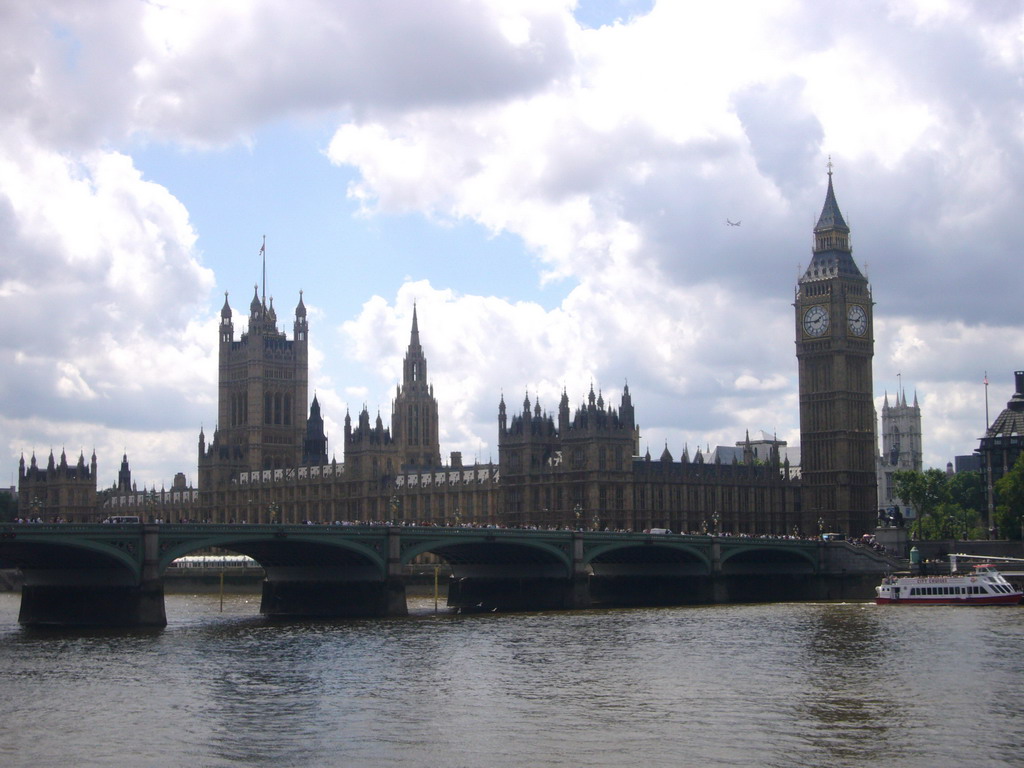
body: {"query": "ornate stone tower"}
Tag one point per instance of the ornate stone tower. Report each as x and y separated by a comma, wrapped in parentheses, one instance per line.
(261, 396)
(412, 442)
(414, 420)
(901, 446)
(834, 347)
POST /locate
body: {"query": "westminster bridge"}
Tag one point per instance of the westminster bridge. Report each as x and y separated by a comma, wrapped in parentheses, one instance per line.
(112, 574)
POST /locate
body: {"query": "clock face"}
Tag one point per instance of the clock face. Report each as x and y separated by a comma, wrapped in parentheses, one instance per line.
(857, 319)
(816, 321)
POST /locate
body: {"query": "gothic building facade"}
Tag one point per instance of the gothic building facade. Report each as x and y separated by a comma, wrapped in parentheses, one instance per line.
(61, 491)
(267, 460)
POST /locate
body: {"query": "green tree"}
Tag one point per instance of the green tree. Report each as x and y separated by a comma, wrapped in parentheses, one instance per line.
(925, 492)
(1010, 493)
(953, 521)
(968, 490)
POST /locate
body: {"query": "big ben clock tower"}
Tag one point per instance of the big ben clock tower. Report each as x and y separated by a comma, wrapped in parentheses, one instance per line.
(834, 347)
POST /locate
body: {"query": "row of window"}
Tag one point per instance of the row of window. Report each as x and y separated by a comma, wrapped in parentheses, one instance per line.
(973, 589)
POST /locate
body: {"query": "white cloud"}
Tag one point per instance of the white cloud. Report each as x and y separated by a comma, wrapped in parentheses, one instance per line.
(614, 154)
(621, 176)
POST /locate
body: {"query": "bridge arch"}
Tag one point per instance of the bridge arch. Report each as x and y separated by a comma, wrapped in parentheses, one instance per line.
(679, 552)
(761, 558)
(74, 553)
(487, 550)
(289, 550)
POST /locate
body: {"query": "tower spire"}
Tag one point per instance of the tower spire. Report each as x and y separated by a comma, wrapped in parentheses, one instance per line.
(831, 219)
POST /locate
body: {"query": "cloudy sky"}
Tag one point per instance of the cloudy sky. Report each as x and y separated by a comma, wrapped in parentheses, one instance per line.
(547, 180)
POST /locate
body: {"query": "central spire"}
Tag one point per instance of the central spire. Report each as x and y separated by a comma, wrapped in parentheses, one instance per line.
(415, 367)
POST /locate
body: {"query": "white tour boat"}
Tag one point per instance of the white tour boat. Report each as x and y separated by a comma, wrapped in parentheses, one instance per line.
(984, 586)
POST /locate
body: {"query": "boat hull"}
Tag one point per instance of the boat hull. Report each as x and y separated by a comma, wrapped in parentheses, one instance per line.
(1012, 599)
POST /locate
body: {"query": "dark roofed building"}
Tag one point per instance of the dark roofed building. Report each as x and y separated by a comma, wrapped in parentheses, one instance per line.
(1004, 440)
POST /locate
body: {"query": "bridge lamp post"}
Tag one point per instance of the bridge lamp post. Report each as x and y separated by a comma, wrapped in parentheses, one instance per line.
(578, 512)
(274, 511)
(716, 520)
(34, 506)
(821, 525)
(596, 522)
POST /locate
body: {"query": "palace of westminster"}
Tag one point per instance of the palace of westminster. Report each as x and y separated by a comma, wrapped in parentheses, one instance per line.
(267, 460)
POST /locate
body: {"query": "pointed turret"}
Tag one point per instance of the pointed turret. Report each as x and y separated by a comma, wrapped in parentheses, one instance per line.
(415, 365)
(314, 447)
(124, 474)
(300, 327)
(831, 218)
(255, 306)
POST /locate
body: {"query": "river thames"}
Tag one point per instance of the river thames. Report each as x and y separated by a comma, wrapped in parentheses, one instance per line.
(809, 684)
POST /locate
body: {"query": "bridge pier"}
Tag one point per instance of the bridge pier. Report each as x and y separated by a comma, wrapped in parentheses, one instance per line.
(82, 600)
(518, 593)
(97, 596)
(288, 599)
